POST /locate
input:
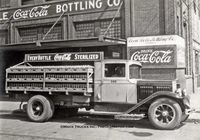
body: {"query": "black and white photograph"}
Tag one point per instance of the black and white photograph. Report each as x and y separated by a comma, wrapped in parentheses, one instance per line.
(99, 69)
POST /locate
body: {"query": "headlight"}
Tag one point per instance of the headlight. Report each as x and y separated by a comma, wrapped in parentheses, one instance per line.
(181, 92)
(184, 93)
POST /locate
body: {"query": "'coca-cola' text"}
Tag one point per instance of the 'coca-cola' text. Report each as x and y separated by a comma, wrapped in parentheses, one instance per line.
(38, 11)
(153, 56)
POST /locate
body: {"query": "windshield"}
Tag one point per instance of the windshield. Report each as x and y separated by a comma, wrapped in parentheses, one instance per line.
(115, 70)
(134, 71)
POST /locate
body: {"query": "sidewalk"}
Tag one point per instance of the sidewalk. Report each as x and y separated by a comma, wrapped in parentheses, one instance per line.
(195, 101)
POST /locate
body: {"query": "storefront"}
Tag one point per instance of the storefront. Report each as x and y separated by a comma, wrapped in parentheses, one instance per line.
(65, 26)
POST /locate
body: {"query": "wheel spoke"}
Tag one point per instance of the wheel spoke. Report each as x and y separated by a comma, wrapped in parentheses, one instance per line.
(162, 107)
(167, 120)
(164, 113)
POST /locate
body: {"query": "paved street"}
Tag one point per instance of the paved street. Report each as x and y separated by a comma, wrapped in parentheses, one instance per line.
(15, 125)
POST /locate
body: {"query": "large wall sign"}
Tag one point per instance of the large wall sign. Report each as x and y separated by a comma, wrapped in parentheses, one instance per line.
(167, 51)
(71, 6)
(153, 56)
(64, 57)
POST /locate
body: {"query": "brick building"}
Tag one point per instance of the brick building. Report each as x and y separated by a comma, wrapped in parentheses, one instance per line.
(194, 18)
(34, 26)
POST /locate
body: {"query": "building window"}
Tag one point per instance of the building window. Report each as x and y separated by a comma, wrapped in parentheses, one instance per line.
(29, 34)
(27, 2)
(55, 34)
(84, 29)
(3, 37)
(178, 26)
(115, 29)
(95, 28)
(196, 62)
(4, 3)
(194, 6)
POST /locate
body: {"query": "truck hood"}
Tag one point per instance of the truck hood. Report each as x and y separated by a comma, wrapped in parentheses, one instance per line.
(147, 87)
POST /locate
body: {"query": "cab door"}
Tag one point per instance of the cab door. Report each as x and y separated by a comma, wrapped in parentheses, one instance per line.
(116, 87)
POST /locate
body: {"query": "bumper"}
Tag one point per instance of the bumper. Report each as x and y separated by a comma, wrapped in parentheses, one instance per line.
(187, 108)
(189, 111)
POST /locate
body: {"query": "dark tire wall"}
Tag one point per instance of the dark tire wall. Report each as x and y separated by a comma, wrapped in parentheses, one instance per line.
(47, 111)
(171, 104)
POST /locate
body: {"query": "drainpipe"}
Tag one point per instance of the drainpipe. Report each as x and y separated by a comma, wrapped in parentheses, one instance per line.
(190, 43)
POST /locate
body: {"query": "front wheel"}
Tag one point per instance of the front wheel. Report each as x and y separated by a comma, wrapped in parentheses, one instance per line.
(40, 108)
(165, 113)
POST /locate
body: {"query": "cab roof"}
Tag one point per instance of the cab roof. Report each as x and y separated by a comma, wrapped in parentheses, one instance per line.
(130, 62)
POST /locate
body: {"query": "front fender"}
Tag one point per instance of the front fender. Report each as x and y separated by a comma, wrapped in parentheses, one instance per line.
(184, 101)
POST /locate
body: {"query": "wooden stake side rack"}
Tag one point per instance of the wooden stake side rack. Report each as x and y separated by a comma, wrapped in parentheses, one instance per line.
(67, 79)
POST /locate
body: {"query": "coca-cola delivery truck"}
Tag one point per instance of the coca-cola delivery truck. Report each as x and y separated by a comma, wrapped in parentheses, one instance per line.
(86, 80)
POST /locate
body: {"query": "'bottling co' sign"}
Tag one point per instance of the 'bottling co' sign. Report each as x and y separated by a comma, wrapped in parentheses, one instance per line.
(153, 56)
(70, 6)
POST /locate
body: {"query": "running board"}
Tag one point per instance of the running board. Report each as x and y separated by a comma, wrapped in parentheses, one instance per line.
(129, 116)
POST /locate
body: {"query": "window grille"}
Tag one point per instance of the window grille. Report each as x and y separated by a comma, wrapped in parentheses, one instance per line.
(30, 34)
(87, 29)
(4, 3)
(115, 29)
(84, 30)
(55, 34)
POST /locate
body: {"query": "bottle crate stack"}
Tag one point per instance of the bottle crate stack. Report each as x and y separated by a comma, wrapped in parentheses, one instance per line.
(74, 79)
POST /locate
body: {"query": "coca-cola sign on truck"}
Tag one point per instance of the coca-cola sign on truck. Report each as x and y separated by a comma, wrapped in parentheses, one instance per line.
(153, 56)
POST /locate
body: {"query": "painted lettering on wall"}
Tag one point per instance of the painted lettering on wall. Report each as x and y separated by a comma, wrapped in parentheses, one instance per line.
(153, 56)
(70, 6)
(38, 11)
(4, 16)
(155, 40)
(85, 5)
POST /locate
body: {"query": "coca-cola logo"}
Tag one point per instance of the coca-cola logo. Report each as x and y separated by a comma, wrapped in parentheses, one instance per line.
(38, 11)
(153, 56)
(62, 57)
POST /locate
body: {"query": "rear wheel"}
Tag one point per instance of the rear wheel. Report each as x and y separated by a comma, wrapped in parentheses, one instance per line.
(40, 108)
(165, 113)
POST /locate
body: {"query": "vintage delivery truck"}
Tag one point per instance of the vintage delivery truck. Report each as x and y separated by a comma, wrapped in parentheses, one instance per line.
(86, 80)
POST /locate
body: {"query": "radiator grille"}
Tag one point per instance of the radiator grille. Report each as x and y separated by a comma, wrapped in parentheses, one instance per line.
(145, 89)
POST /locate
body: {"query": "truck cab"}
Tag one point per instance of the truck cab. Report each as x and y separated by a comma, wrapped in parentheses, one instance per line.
(47, 82)
(115, 81)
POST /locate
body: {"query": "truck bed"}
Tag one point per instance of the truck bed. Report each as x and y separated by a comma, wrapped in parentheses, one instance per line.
(68, 79)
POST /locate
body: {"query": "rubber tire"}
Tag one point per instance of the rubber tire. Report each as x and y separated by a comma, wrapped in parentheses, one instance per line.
(177, 111)
(48, 108)
(184, 117)
(52, 108)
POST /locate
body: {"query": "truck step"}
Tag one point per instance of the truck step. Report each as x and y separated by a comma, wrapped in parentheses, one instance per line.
(129, 116)
(99, 113)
